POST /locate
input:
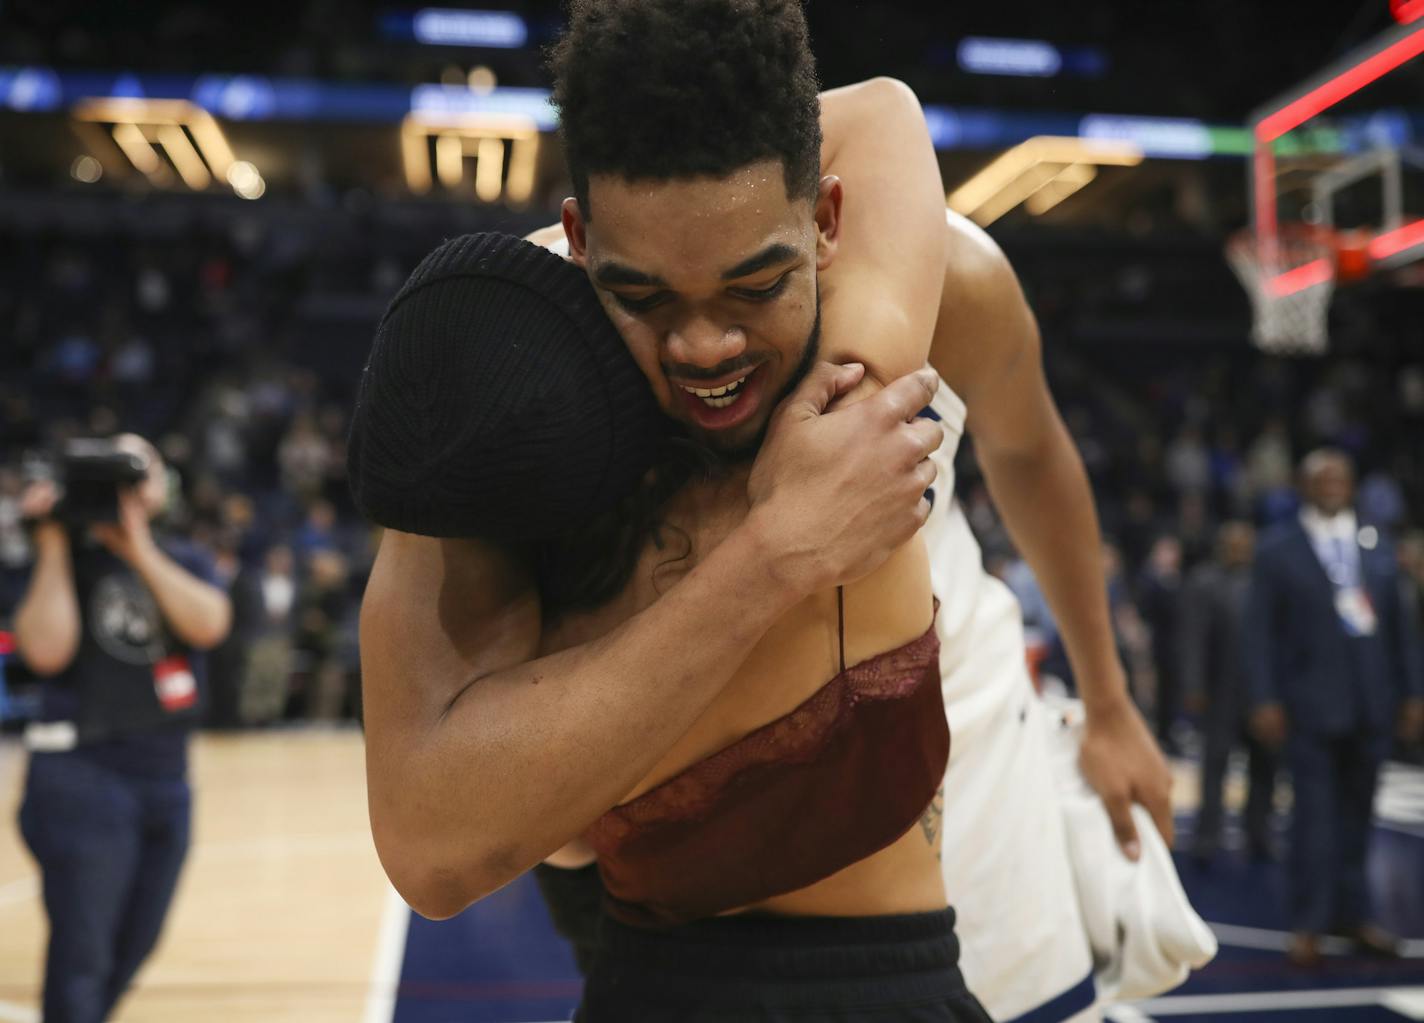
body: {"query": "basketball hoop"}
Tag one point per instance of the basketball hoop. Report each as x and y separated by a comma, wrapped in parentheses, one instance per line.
(1290, 282)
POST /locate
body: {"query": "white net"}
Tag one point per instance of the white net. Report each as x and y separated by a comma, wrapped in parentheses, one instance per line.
(1290, 284)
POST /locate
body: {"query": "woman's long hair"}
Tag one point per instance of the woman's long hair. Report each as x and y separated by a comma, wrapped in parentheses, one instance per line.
(587, 566)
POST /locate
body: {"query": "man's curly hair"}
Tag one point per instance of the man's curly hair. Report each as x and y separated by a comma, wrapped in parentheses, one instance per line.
(668, 89)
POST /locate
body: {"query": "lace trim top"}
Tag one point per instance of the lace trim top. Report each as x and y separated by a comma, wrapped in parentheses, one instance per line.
(839, 778)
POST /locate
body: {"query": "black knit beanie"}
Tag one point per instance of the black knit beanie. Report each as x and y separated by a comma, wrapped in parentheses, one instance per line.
(498, 401)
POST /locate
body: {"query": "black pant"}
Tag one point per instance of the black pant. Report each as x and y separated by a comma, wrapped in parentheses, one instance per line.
(767, 969)
(1216, 750)
(110, 848)
(574, 899)
(1334, 779)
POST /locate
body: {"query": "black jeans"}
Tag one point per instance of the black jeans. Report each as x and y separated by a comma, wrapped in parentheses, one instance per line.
(110, 848)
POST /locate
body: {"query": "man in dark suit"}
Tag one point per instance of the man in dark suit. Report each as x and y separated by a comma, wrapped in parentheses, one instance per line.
(1334, 667)
(1213, 666)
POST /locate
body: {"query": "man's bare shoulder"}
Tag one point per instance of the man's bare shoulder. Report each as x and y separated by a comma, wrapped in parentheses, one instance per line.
(985, 326)
(979, 275)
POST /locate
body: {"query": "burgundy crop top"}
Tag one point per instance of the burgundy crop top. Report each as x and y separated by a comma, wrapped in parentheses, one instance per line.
(839, 778)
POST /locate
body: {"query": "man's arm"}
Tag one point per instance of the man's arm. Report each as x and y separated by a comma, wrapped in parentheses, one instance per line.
(1408, 656)
(888, 273)
(987, 348)
(482, 758)
(47, 618)
(198, 612)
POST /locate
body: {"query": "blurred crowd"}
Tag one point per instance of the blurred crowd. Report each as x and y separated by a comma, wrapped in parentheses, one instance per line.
(235, 343)
(1190, 456)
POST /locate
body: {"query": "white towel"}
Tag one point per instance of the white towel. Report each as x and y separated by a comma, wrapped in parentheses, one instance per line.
(1144, 934)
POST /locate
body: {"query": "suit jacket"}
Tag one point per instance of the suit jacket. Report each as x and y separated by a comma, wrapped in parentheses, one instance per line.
(1298, 652)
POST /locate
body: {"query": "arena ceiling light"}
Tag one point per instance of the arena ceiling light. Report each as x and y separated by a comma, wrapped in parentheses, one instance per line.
(1027, 58)
(1046, 169)
(444, 26)
(435, 146)
(159, 137)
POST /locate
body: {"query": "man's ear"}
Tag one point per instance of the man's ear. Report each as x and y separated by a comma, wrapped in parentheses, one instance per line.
(575, 230)
(828, 220)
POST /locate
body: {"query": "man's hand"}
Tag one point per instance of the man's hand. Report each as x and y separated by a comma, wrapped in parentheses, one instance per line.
(832, 494)
(1268, 725)
(37, 503)
(1411, 720)
(1121, 761)
(131, 538)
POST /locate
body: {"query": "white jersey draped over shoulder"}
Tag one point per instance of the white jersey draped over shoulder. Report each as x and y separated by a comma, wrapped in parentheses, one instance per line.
(1024, 948)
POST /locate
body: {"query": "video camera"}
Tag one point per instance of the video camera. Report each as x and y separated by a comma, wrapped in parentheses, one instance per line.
(90, 474)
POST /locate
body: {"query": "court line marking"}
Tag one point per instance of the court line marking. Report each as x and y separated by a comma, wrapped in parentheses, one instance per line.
(1275, 1001)
(1238, 936)
(12, 1013)
(390, 955)
(1126, 1013)
(1405, 1001)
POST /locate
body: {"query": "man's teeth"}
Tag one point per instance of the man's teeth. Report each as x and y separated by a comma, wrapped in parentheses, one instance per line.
(718, 397)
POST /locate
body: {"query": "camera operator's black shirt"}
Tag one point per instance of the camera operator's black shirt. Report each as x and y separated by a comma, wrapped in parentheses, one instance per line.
(110, 691)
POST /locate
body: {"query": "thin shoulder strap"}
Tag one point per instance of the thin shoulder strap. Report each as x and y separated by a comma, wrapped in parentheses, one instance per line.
(840, 621)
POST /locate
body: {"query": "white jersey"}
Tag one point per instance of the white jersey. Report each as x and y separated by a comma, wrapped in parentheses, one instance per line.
(1023, 945)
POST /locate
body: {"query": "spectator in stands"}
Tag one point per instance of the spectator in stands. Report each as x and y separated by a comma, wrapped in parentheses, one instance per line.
(1334, 666)
(1188, 462)
(1268, 460)
(1411, 578)
(306, 457)
(322, 610)
(318, 532)
(264, 687)
(114, 618)
(1213, 668)
(1159, 597)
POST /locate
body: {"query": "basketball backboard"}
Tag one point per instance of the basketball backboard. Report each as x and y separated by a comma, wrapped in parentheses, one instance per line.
(1336, 186)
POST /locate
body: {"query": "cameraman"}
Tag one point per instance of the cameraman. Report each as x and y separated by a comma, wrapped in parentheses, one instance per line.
(114, 616)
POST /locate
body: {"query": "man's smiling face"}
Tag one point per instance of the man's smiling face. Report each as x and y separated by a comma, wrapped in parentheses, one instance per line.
(712, 284)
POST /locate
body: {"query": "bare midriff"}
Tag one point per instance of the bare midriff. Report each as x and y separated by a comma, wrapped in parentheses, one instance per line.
(795, 658)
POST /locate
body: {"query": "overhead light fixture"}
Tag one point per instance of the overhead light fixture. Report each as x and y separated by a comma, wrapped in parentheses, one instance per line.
(444, 26)
(159, 137)
(505, 148)
(1029, 58)
(1063, 184)
(245, 180)
(86, 169)
(1052, 165)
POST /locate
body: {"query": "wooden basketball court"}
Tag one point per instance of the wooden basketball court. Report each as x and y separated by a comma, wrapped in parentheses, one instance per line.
(281, 902)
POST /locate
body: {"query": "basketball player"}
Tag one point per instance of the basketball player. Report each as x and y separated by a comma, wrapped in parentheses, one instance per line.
(1003, 863)
(668, 258)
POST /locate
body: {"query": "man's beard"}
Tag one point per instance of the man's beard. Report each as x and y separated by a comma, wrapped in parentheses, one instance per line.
(743, 453)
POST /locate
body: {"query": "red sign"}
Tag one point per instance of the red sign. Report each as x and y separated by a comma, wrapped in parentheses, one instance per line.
(1405, 11)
